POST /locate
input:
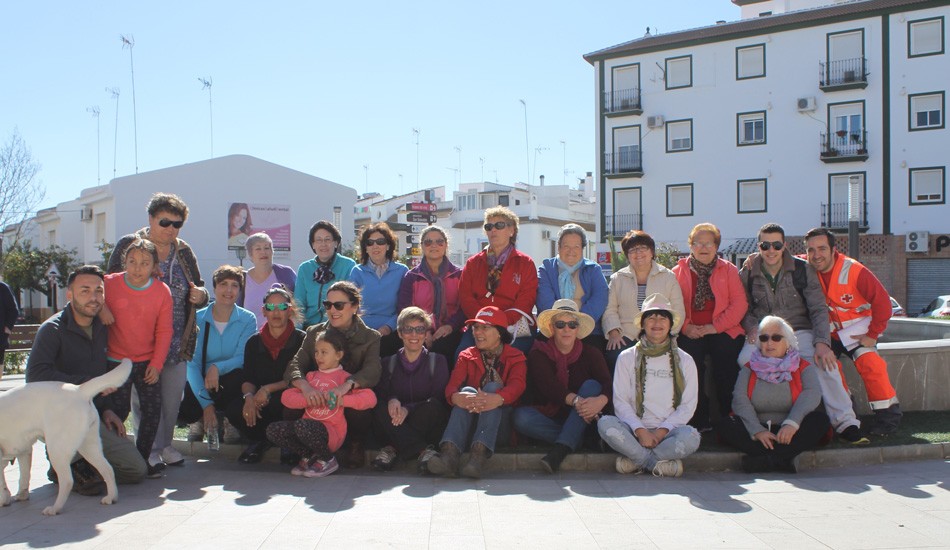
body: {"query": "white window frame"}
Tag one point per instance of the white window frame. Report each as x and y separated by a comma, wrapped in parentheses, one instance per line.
(467, 202)
(744, 188)
(747, 121)
(674, 67)
(936, 176)
(932, 106)
(750, 63)
(679, 192)
(922, 25)
(679, 135)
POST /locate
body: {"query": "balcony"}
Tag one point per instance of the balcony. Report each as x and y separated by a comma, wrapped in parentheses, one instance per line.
(622, 102)
(627, 163)
(619, 225)
(845, 74)
(842, 146)
(834, 216)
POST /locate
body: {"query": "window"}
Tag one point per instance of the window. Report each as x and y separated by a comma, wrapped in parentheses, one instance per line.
(679, 72)
(626, 215)
(928, 185)
(751, 196)
(751, 128)
(846, 133)
(625, 156)
(467, 202)
(679, 200)
(679, 136)
(750, 62)
(926, 111)
(625, 88)
(839, 198)
(502, 200)
(843, 46)
(925, 37)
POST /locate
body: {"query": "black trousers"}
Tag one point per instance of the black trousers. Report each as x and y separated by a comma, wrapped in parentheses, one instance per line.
(723, 352)
(423, 426)
(273, 411)
(190, 410)
(813, 427)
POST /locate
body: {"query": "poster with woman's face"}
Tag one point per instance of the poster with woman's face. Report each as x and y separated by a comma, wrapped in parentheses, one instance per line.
(245, 219)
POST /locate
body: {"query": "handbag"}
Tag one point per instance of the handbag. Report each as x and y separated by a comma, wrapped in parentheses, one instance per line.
(523, 327)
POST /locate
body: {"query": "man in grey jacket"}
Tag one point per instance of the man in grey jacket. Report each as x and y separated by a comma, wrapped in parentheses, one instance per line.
(779, 284)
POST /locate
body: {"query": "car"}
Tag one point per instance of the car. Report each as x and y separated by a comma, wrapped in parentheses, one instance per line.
(939, 308)
(896, 309)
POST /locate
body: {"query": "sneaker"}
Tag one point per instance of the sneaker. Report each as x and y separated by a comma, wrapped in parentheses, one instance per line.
(385, 460)
(301, 467)
(322, 468)
(155, 471)
(668, 468)
(852, 435)
(172, 457)
(196, 431)
(424, 456)
(624, 465)
(231, 434)
(155, 459)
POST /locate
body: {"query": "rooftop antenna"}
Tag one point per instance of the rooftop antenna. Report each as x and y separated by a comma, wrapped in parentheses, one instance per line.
(129, 42)
(416, 132)
(115, 141)
(206, 85)
(94, 111)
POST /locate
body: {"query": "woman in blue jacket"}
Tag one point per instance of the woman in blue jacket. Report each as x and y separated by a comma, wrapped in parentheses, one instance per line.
(571, 276)
(315, 276)
(379, 276)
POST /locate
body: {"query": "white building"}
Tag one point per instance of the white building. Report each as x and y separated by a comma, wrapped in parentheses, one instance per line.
(776, 118)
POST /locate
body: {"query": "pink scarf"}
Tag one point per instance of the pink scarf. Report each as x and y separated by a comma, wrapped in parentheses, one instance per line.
(774, 370)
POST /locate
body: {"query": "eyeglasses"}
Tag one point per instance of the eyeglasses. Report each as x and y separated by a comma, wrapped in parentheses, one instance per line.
(328, 305)
(430, 242)
(775, 337)
(704, 245)
(380, 241)
(496, 225)
(777, 245)
(569, 324)
(322, 240)
(279, 307)
(639, 249)
(418, 329)
(165, 222)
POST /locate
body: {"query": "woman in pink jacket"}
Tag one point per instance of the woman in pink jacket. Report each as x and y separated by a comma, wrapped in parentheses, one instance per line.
(715, 303)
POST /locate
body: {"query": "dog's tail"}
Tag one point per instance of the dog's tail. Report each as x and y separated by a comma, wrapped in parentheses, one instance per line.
(112, 379)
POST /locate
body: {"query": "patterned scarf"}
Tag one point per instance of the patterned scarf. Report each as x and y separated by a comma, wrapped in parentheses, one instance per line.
(774, 370)
(324, 273)
(438, 299)
(645, 350)
(703, 292)
(495, 265)
(561, 360)
(565, 278)
(493, 368)
(272, 344)
(381, 268)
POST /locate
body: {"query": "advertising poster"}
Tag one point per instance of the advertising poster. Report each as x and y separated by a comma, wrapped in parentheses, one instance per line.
(245, 219)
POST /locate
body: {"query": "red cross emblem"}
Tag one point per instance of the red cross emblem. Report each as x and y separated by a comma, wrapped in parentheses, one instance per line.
(847, 298)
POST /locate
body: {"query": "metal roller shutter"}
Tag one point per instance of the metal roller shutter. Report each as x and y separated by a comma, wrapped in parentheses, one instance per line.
(926, 279)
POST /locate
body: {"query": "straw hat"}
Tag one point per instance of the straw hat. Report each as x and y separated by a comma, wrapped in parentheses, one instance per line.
(565, 306)
(653, 303)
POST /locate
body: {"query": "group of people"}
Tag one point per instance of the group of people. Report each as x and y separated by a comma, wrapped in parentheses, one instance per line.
(437, 363)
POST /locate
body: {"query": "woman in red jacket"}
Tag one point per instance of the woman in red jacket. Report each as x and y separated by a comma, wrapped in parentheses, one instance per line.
(715, 303)
(503, 277)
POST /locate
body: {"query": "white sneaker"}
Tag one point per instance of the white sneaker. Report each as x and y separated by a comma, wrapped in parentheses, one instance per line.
(196, 431)
(668, 468)
(172, 457)
(626, 466)
(155, 459)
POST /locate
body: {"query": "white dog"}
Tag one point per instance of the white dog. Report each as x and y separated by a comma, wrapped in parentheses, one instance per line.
(63, 415)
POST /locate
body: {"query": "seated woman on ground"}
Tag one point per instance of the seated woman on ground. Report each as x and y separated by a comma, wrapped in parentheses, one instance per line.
(488, 379)
(655, 394)
(568, 383)
(775, 403)
(411, 414)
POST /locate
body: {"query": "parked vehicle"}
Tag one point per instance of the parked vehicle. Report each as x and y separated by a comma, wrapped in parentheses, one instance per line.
(939, 308)
(896, 309)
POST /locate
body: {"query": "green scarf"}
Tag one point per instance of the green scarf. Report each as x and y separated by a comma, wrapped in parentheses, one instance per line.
(645, 350)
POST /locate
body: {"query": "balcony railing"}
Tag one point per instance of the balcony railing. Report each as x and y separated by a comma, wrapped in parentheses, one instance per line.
(624, 162)
(621, 224)
(835, 215)
(843, 146)
(843, 74)
(620, 101)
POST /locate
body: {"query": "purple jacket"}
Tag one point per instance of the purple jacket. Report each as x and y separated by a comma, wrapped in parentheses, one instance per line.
(418, 290)
(413, 385)
(285, 275)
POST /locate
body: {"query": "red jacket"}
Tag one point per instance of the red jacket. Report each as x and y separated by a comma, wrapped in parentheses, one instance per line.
(518, 287)
(469, 369)
(731, 302)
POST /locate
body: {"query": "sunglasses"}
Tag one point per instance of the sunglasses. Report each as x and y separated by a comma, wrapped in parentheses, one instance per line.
(777, 245)
(165, 222)
(279, 307)
(430, 242)
(380, 241)
(420, 329)
(569, 324)
(496, 225)
(774, 337)
(328, 305)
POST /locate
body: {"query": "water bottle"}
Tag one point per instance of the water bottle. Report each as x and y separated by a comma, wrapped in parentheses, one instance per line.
(214, 441)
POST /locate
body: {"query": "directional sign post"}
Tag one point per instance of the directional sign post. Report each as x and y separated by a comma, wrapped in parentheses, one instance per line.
(420, 207)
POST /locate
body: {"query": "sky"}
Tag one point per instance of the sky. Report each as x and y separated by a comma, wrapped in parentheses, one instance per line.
(330, 89)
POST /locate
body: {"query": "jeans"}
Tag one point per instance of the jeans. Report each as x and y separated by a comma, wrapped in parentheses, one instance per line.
(679, 443)
(486, 424)
(531, 422)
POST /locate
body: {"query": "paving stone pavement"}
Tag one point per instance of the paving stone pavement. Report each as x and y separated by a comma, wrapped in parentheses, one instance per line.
(219, 503)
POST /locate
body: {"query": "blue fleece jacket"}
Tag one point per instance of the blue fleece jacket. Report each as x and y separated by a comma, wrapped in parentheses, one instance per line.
(379, 293)
(310, 294)
(225, 350)
(592, 281)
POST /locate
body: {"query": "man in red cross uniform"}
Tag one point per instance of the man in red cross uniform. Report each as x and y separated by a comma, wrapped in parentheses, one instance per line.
(858, 307)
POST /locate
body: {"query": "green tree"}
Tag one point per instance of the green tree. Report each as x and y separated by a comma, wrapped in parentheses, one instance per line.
(25, 267)
(666, 255)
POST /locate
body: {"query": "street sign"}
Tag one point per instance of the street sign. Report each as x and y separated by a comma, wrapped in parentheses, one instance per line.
(416, 251)
(420, 207)
(417, 217)
(413, 239)
(416, 228)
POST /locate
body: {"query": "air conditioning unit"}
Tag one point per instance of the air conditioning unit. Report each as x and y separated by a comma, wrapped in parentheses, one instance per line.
(806, 104)
(655, 121)
(546, 235)
(85, 214)
(917, 241)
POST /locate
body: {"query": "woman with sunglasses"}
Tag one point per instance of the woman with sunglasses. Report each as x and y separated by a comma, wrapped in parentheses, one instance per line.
(177, 268)
(266, 355)
(360, 360)
(410, 414)
(378, 276)
(568, 383)
(315, 276)
(433, 286)
(263, 275)
(501, 276)
(715, 303)
(775, 402)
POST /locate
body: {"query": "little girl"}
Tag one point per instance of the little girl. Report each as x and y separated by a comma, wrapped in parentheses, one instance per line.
(138, 312)
(321, 430)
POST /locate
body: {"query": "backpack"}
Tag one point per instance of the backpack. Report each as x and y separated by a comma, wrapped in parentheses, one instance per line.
(395, 357)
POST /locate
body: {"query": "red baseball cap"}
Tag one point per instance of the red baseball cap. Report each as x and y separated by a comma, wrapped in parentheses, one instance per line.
(490, 315)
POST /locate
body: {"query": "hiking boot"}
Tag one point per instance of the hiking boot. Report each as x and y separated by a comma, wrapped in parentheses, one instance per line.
(196, 431)
(886, 421)
(552, 461)
(322, 468)
(477, 457)
(624, 465)
(668, 468)
(446, 461)
(385, 459)
(852, 435)
(424, 457)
